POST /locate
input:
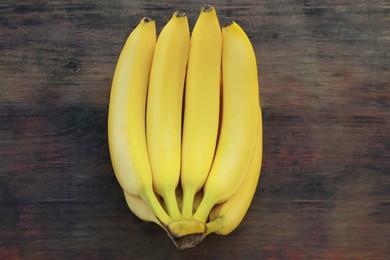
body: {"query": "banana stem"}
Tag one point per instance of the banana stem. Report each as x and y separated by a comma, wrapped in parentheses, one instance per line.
(171, 203)
(212, 226)
(205, 206)
(186, 233)
(188, 201)
(153, 202)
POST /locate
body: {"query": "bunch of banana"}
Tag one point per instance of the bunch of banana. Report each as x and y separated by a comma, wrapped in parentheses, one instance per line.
(185, 125)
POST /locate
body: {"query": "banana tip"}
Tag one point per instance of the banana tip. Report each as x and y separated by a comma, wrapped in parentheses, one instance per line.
(180, 14)
(147, 19)
(227, 24)
(207, 8)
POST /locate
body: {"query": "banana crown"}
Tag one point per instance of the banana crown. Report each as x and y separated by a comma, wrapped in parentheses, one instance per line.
(185, 125)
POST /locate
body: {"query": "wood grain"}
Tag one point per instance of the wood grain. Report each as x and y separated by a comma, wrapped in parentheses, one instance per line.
(324, 191)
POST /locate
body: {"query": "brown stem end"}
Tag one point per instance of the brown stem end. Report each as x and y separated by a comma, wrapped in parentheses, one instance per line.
(207, 8)
(186, 233)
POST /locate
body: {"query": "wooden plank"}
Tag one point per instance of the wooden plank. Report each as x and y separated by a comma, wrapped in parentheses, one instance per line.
(325, 80)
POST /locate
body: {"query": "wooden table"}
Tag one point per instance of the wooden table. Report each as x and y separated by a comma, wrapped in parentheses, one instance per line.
(324, 73)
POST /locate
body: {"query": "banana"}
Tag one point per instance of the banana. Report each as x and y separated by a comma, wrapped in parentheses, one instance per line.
(126, 116)
(225, 217)
(201, 106)
(164, 108)
(239, 120)
(142, 210)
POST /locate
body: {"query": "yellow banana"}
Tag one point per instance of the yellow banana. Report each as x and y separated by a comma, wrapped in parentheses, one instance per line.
(239, 124)
(225, 217)
(201, 106)
(164, 108)
(126, 116)
(139, 207)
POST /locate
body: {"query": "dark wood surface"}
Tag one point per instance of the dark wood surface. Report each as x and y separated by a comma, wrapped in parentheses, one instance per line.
(324, 191)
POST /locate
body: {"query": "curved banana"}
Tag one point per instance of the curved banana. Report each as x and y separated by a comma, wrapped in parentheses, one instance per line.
(139, 207)
(225, 217)
(239, 124)
(201, 106)
(164, 108)
(126, 116)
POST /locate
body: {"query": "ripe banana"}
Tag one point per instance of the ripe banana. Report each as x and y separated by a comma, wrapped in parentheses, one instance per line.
(225, 217)
(164, 108)
(126, 116)
(239, 124)
(201, 107)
